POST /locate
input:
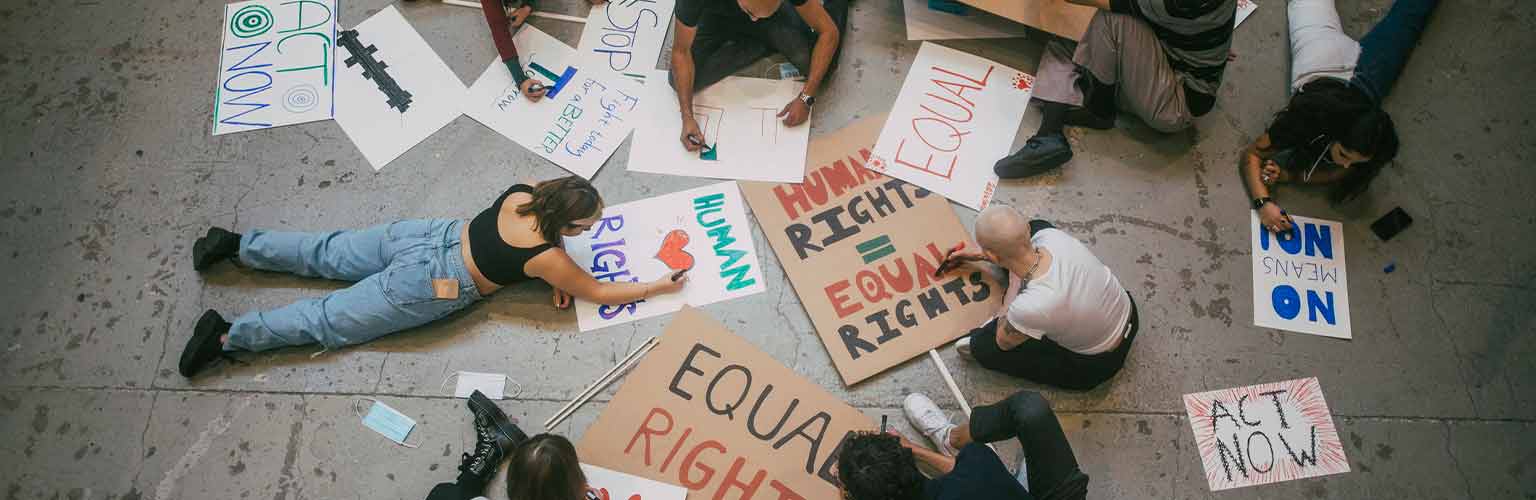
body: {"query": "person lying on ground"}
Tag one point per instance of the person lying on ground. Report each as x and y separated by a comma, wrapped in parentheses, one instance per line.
(1065, 319)
(1333, 130)
(884, 466)
(411, 272)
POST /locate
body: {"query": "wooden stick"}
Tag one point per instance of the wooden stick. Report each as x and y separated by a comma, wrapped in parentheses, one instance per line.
(601, 382)
(550, 15)
(948, 380)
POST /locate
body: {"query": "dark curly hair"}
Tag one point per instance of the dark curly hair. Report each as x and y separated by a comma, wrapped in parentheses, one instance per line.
(874, 466)
(1348, 116)
(559, 202)
(545, 468)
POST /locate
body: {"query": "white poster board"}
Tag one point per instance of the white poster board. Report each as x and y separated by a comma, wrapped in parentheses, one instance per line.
(738, 117)
(614, 485)
(703, 229)
(584, 116)
(1245, 8)
(395, 91)
(627, 35)
(956, 116)
(1265, 433)
(924, 23)
(1300, 282)
(275, 66)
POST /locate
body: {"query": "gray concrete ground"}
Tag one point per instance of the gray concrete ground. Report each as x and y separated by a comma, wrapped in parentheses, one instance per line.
(109, 173)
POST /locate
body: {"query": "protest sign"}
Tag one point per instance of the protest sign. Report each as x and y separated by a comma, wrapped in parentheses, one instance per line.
(626, 36)
(955, 117)
(861, 249)
(1299, 281)
(1245, 8)
(1265, 433)
(743, 136)
(614, 485)
(583, 117)
(275, 66)
(924, 23)
(703, 229)
(710, 411)
(392, 90)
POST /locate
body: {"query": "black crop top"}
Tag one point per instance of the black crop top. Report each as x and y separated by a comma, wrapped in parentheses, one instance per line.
(498, 261)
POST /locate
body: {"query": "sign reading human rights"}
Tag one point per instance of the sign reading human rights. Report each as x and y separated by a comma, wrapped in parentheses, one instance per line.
(861, 248)
(709, 411)
(276, 66)
(1299, 279)
(956, 116)
(703, 230)
(1265, 433)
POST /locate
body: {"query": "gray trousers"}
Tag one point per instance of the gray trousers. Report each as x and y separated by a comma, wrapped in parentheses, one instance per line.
(1119, 50)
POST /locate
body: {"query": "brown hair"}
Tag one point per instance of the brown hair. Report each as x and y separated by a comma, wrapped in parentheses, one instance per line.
(545, 468)
(557, 203)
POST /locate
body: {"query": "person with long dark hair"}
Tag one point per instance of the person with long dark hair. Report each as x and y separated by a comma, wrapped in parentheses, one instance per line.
(543, 467)
(411, 272)
(1333, 130)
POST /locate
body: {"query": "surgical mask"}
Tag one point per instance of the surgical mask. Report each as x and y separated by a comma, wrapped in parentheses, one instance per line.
(493, 385)
(388, 422)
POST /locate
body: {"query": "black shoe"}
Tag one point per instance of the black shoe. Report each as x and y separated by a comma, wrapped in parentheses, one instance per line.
(204, 347)
(217, 245)
(494, 438)
(487, 413)
(1039, 154)
(1082, 117)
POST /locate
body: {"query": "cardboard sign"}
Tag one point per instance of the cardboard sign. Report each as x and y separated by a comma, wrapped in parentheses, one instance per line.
(861, 249)
(1265, 433)
(626, 36)
(955, 117)
(1059, 17)
(392, 91)
(1300, 282)
(583, 117)
(703, 229)
(710, 411)
(614, 485)
(275, 67)
(743, 136)
(924, 23)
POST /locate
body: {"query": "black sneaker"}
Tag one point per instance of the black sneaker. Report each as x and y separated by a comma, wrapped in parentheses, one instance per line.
(204, 347)
(217, 245)
(487, 413)
(1039, 154)
(494, 438)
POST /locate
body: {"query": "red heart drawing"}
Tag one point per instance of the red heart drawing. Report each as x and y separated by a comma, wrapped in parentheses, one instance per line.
(1022, 81)
(672, 253)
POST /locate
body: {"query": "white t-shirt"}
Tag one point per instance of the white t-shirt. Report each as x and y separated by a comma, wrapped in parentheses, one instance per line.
(1077, 303)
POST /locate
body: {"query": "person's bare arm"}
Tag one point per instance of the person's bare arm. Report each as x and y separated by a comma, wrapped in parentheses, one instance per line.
(828, 37)
(1097, 4)
(556, 267)
(1254, 170)
(682, 82)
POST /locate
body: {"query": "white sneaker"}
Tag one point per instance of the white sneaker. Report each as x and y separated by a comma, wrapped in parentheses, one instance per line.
(931, 420)
(964, 347)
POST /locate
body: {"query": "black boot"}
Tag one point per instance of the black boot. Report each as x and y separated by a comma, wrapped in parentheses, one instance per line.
(204, 346)
(488, 414)
(494, 438)
(217, 245)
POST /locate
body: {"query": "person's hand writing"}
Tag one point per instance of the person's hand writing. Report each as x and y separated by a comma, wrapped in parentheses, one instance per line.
(691, 137)
(530, 93)
(795, 113)
(666, 285)
(1274, 219)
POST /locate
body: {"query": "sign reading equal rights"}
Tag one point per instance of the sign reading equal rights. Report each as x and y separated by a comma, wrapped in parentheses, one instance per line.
(861, 249)
(708, 410)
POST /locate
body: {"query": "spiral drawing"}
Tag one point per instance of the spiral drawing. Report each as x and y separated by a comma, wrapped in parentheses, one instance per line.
(251, 20)
(301, 98)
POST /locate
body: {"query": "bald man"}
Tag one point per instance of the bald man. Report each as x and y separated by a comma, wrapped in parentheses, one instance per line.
(714, 38)
(1066, 321)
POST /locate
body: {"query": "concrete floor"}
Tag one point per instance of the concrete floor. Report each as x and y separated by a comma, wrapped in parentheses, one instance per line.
(109, 173)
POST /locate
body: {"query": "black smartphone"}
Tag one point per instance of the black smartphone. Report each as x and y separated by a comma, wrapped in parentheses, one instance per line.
(1389, 225)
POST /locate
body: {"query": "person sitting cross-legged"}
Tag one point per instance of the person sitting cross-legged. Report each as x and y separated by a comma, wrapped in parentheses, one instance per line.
(884, 466)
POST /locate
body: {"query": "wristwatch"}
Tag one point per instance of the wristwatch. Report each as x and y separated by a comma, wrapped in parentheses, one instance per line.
(1258, 203)
(810, 100)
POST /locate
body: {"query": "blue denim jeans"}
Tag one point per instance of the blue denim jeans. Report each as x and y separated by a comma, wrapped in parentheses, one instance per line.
(393, 266)
(1384, 50)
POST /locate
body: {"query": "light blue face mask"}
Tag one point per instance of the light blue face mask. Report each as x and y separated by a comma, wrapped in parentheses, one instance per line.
(388, 422)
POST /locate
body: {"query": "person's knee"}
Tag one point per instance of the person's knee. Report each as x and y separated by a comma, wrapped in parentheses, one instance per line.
(1171, 122)
(1030, 406)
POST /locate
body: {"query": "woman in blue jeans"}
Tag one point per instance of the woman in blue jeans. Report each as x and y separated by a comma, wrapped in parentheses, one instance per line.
(411, 272)
(1333, 131)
